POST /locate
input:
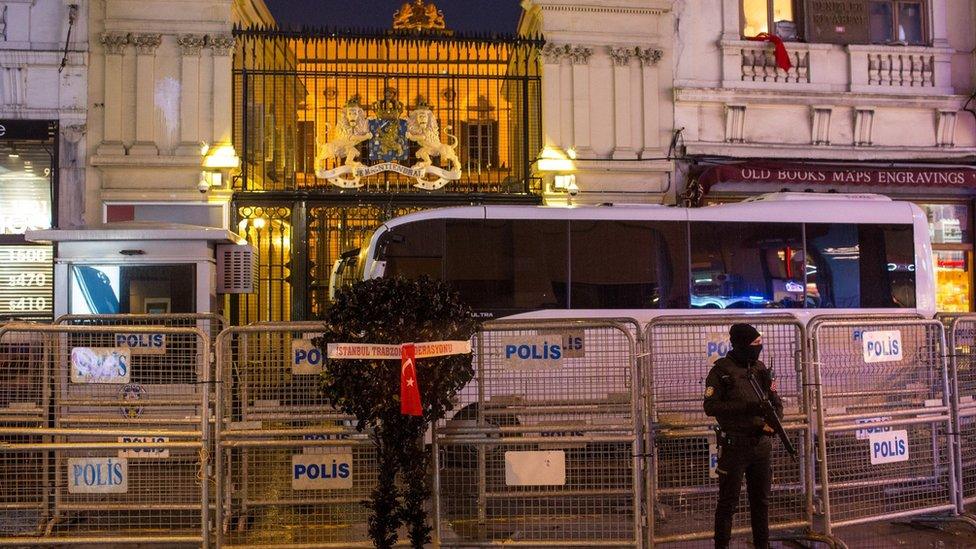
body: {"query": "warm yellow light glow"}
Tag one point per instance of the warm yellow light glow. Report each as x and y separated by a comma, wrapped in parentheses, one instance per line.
(259, 223)
(755, 18)
(552, 160)
(242, 226)
(564, 181)
(222, 157)
(782, 10)
(571, 152)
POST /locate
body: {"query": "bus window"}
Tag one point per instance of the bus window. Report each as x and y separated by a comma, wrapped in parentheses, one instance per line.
(628, 265)
(746, 265)
(860, 266)
(415, 249)
(508, 266)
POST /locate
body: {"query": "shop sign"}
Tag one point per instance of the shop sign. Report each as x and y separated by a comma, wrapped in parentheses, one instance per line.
(26, 279)
(19, 216)
(837, 21)
(31, 130)
(818, 175)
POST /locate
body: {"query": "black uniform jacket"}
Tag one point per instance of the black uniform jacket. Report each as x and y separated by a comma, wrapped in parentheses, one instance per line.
(730, 398)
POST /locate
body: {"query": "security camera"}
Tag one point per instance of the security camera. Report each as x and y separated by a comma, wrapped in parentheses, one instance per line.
(203, 185)
(572, 189)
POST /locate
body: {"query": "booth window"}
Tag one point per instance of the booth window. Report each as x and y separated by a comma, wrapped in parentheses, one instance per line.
(135, 289)
(952, 247)
(772, 16)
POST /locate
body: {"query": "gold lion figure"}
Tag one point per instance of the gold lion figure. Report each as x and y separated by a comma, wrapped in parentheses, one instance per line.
(423, 129)
(351, 129)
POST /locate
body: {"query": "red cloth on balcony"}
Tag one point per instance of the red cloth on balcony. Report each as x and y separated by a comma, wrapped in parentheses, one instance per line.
(782, 57)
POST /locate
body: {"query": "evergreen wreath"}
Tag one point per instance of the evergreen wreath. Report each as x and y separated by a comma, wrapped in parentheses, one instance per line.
(395, 311)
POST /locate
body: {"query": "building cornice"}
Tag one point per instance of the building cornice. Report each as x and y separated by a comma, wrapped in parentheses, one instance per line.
(827, 152)
(657, 8)
(781, 96)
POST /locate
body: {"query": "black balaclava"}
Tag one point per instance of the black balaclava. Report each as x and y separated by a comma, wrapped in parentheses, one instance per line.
(741, 336)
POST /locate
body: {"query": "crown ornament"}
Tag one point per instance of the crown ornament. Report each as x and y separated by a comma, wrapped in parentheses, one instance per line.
(419, 16)
(388, 108)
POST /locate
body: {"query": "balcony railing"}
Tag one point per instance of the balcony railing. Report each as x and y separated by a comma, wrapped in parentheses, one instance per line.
(827, 67)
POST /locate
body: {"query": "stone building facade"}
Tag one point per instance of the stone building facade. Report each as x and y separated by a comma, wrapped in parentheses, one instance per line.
(161, 96)
(877, 97)
(43, 115)
(606, 99)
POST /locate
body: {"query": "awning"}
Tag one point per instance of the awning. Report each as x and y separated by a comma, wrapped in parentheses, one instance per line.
(819, 175)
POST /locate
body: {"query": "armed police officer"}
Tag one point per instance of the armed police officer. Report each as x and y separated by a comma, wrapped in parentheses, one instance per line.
(744, 438)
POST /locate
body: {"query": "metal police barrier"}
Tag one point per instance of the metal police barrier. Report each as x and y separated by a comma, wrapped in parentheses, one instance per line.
(210, 323)
(962, 375)
(292, 471)
(883, 419)
(120, 454)
(24, 397)
(543, 446)
(683, 488)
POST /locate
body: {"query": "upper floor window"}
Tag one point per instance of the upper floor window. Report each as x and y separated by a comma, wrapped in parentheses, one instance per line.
(895, 22)
(773, 16)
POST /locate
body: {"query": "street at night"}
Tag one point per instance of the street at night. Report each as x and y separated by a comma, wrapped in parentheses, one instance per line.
(294, 274)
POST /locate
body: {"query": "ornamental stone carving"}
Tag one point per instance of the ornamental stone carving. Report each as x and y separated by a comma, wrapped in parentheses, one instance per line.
(146, 44)
(580, 55)
(554, 53)
(114, 42)
(621, 56)
(648, 56)
(222, 44)
(191, 44)
(74, 132)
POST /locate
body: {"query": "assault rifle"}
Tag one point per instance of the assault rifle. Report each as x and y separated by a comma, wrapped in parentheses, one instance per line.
(770, 416)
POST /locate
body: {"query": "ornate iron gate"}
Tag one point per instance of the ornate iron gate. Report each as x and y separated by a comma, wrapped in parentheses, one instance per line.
(339, 131)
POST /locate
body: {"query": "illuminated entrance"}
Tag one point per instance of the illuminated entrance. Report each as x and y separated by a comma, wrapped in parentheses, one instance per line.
(338, 132)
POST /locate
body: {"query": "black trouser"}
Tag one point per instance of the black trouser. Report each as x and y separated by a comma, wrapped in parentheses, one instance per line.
(749, 456)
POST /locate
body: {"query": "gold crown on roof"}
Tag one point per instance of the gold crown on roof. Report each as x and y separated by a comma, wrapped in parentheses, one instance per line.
(418, 15)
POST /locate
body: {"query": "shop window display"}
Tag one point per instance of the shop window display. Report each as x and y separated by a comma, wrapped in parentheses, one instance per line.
(952, 245)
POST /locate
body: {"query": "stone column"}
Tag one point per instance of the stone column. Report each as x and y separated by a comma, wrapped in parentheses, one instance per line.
(146, 45)
(580, 56)
(565, 102)
(552, 55)
(190, 46)
(114, 44)
(649, 58)
(622, 112)
(71, 207)
(223, 114)
(940, 24)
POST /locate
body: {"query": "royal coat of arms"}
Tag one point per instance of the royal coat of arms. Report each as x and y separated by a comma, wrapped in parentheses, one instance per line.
(388, 137)
(389, 141)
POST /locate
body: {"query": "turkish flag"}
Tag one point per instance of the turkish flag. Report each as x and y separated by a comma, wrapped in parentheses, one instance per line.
(780, 53)
(409, 390)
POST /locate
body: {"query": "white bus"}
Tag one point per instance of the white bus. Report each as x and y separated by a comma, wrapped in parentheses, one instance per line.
(801, 253)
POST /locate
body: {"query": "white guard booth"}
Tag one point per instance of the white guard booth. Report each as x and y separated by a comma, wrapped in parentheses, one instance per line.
(136, 267)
